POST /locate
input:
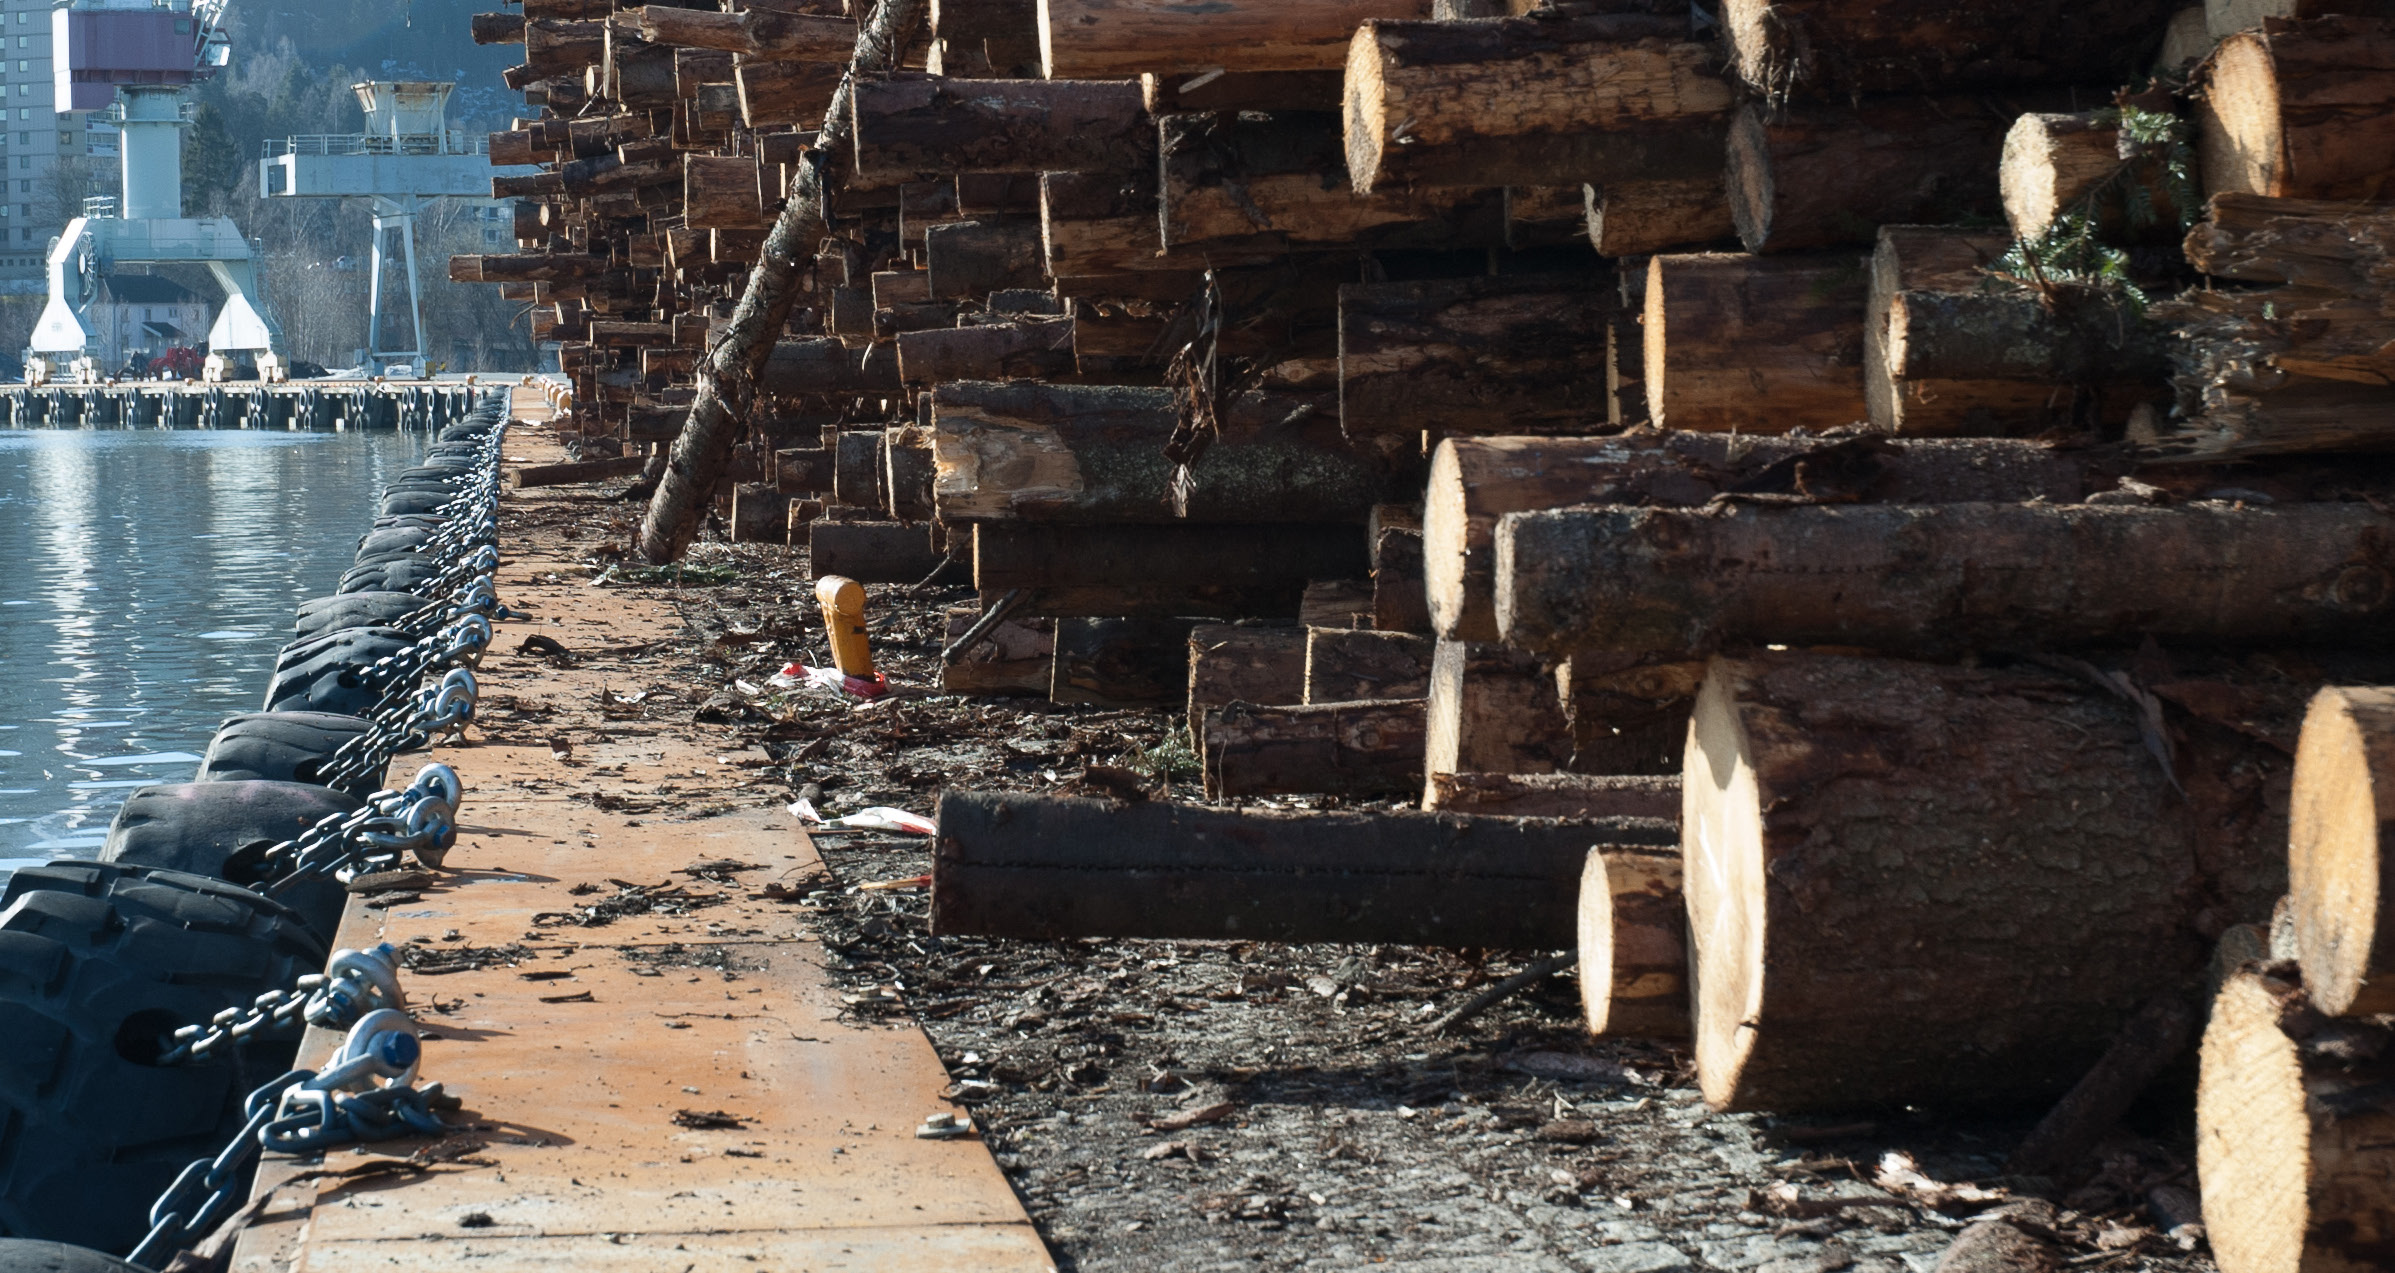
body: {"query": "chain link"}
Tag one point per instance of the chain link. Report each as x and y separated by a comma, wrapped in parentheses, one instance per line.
(353, 983)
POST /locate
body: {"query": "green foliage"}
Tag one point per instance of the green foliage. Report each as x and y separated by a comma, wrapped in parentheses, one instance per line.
(1170, 760)
(2152, 143)
(212, 162)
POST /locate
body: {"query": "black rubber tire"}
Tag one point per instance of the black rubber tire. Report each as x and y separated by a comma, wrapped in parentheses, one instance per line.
(282, 747)
(320, 615)
(97, 963)
(30, 1255)
(411, 573)
(398, 539)
(217, 829)
(471, 431)
(323, 673)
(401, 503)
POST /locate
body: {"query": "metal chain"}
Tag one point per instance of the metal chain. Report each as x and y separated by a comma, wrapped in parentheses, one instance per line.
(353, 983)
(420, 819)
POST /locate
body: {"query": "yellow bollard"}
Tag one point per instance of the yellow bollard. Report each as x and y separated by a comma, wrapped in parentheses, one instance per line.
(844, 624)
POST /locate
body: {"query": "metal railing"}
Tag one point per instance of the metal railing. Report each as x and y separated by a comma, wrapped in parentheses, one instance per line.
(453, 142)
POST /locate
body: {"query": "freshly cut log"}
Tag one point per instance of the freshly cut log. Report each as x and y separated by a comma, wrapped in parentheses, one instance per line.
(1512, 354)
(2054, 162)
(1265, 666)
(779, 94)
(1091, 453)
(1556, 795)
(874, 552)
(1016, 657)
(2294, 1140)
(1628, 714)
(2301, 110)
(1493, 709)
(1119, 662)
(1830, 176)
(1862, 840)
(1476, 481)
(1100, 39)
(1951, 350)
(760, 33)
(1188, 570)
(1949, 577)
(2341, 882)
(1367, 748)
(1836, 49)
(947, 126)
(721, 192)
(1633, 944)
(1043, 868)
(580, 471)
(1219, 90)
(1347, 664)
(1030, 350)
(971, 259)
(1254, 183)
(1543, 101)
(1751, 344)
(1641, 218)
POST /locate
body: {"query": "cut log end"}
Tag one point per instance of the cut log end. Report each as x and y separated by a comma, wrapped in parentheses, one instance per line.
(1364, 106)
(2335, 866)
(2240, 136)
(1721, 808)
(1748, 180)
(1444, 522)
(1633, 944)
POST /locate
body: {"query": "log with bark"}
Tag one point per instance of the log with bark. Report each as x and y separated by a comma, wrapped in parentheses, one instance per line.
(1642, 217)
(857, 469)
(760, 33)
(579, 471)
(1755, 344)
(1633, 944)
(2339, 877)
(1228, 664)
(1835, 49)
(1627, 714)
(1545, 101)
(1512, 354)
(1395, 538)
(2301, 110)
(1104, 223)
(945, 126)
(1944, 578)
(778, 94)
(1830, 176)
(970, 259)
(1867, 842)
(721, 191)
(1016, 657)
(906, 473)
(874, 552)
(798, 368)
(1544, 217)
(1492, 709)
(1346, 664)
(1220, 90)
(1254, 184)
(1043, 868)
(1196, 570)
(1032, 349)
(1103, 39)
(1119, 662)
(1367, 748)
(1564, 795)
(2056, 163)
(2295, 1133)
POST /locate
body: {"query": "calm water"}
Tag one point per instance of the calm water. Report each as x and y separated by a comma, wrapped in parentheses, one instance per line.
(146, 580)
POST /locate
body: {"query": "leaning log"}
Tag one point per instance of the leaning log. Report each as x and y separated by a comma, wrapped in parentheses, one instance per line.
(943, 126)
(1832, 50)
(1945, 578)
(1105, 39)
(1513, 354)
(1044, 868)
(1830, 176)
(2301, 110)
(1191, 570)
(1556, 795)
(1754, 344)
(1371, 747)
(1633, 944)
(2340, 862)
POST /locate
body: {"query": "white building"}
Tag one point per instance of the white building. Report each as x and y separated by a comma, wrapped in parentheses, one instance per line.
(142, 316)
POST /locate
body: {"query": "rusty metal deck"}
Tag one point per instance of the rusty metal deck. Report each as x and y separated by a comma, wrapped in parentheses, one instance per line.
(572, 1083)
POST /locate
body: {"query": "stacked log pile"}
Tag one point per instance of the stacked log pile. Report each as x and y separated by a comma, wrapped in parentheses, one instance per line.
(1583, 414)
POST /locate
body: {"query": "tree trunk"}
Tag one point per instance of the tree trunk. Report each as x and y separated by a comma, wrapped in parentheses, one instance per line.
(1633, 944)
(943, 126)
(1044, 868)
(1101, 39)
(1864, 838)
(1254, 184)
(1032, 350)
(2295, 1142)
(1513, 354)
(1347, 664)
(1095, 454)
(1835, 49)
(2301, 110)
(1641, 217)
(1830, 176)
(1189, 570)
(874, 552)
(1228, 664)
(1493, 709)
(2056, 163)
(1950, 350)
(1556, 795)
(971, 259)
(1754, 345)
(1017, 657)
(1944, 578)
(1120, 662)
(1541, 101)
(1476, 481)
(2339, 878)
(1366, 748)
(727, 384)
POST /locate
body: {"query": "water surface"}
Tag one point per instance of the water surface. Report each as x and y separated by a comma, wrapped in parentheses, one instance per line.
(146, 580)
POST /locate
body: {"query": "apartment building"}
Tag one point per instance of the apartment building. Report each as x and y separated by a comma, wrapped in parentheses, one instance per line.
(33, 137)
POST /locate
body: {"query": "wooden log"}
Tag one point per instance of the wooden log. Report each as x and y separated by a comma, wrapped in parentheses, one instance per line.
(758, 33)
(1119, 662)
(974, 258)
(900, 287)
(1193, 570)
(804, 470)
(1633, 944)
(1099, 39)
(1265, 666)
(857, 469)
(1835, 49)
(906, 474)
(1641, 218)
(721, 192)
(985, 19)
(1044, 868)
(1398, 602)
(497, 28)
(1544, 217)
(874, 552)
(1105, 224)
(1920, 983)
(779, 94)
(1033, 349)
(1254, 183)
(1544, 101)
(1626, 714)
(1512, 354)
(1754, 344)
(1336, 603)
(528, 267)
(1017, 657)
(2338, 874)
(760, 514)
(2301, 110)
(1367, 748)
(1830, 176)
(1564, 795)
(2056, 163)
(569, 474)
(1094, 454)
(1220, 90)
(799, 368)
(1492, 709)
(949, 126)
(563, 46)
(1347, 664)
(708, 73)
(1951, 350)
(2295, 1144)
(1944, 577)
